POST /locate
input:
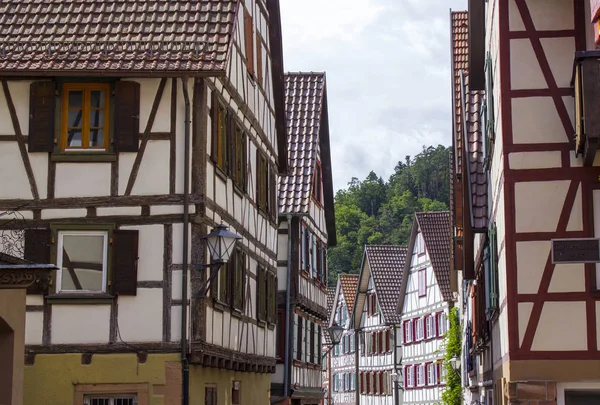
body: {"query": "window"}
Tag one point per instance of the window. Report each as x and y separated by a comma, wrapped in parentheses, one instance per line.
(431, 374)
(388, 341)
(110, 400)
(82, 261)
(422, 282)
(419, 329)
(231, 283)
(430, 326)
(371, 304)
(248, 38)
(266, 186)
(280, 343)
(317, 189)
(409, 372)
(488, 110)
(236, 397)
(420, 375)
(408, 331)
(219, 116)
(420, 244)
(442, 323)
(442, 373)
(85, 117)
(210, 395)
(240, 164)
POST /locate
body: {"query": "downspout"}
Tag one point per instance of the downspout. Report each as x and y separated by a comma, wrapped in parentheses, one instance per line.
(396, 393)
(185, 367)
(288, 354)
(356, 364)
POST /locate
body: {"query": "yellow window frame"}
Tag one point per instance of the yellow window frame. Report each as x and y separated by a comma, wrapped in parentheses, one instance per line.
(86, 88)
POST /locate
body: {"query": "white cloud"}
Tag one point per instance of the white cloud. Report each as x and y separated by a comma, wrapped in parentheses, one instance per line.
(388, 75)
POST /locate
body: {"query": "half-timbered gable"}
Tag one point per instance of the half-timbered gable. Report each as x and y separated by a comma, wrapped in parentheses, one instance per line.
(127, 142)
(343, 370)
(377, 322)
(306, 230)
(424, 303)
(534, 63)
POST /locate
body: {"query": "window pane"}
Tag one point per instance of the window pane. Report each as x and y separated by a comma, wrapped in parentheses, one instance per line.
(74, 137)
(75, 118)
(96, 137)
(82, 262)
(75, 98)
(97, 99)
(96, 118)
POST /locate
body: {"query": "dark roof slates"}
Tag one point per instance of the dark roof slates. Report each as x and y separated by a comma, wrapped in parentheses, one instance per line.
(435, 227)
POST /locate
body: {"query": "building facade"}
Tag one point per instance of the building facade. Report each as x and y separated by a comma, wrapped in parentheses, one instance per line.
(530, 65)
(343, 370)
(377, 325)
(120, 149)
(425, 299)
(306, 230)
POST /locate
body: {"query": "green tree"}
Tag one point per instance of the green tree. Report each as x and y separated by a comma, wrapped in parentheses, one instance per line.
(452, 395)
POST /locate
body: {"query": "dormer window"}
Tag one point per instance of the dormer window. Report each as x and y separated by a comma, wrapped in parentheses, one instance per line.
(317, 191)
(420, 244)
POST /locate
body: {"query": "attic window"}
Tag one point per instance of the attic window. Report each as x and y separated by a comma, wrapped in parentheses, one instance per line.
(317, 191)
(420, 244)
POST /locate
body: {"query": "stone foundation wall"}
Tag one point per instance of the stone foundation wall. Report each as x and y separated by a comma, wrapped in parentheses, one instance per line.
(530, 393)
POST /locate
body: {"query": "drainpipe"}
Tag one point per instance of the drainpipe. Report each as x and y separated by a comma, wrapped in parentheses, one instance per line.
(185, 366)
(396, 391)
(288, 354)
(356, 364)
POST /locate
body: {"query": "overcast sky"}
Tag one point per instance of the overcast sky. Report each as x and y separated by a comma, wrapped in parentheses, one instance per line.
(388, 75)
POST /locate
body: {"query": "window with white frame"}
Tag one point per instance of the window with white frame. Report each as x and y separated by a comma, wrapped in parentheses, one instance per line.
(431, 374)
(419, 329)
(442, 323)
(408, 331)
(420, 244)
(422, 282)
(82, 261)
(442, 374)
(430, 326)
(420, 375)
(409, 371)
(110, 400)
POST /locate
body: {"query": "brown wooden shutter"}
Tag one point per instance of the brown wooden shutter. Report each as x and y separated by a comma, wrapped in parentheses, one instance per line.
(214, 283)
(244, 275)
(259, 292)
(273, 194)
(214, 136)
(248, 37)
(230, 153)
(125, 259)
(37, 250)
(42, 105)
(258, 179)
(259, 67)
(127, 116)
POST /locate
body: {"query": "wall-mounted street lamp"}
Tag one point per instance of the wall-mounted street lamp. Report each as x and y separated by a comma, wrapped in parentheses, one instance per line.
(335, 333)
(221, 242)
(455, 363)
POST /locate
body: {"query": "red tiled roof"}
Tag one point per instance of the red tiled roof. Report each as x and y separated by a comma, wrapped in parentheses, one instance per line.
(349, 284)
(387, 265)
(69, 36)
(460, 50)
(304, 104)
(330, 299)
(435, 227)
(475, 132)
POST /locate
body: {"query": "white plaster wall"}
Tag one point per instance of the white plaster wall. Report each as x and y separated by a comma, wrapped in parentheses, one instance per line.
(64, 213)
(534, 160)
(82, 179)
(19, 92)
(34, 326)
(150, 251)
(176, 322)
(525, 70)
(551, 14)
(148, 88)
(529, 217)
(39, 166)
(126, 160)
(531, 260)
(13, 178)
(80, 324)
(559, 53)
(118, 211)
(572, 333)
(153, 175)
(140, 316)
(527, 130)
(178, 243)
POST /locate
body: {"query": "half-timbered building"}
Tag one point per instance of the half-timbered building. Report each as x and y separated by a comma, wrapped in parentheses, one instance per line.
(327, 351)
(377, 323)
(425, 299)
(531, 296)
(306, 230)
(343, 370)
(127, 131)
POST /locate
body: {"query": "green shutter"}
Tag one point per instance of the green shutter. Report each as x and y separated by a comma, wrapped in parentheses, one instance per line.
(493, 266)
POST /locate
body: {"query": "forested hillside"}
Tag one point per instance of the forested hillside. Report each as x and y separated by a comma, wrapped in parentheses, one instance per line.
(374, 211)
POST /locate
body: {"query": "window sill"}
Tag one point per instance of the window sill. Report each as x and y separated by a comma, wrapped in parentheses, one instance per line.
(83, 157)
(80, 298)
(271, 326)
(238, 190)
(262, 324)
(220, 172)
(220, 306)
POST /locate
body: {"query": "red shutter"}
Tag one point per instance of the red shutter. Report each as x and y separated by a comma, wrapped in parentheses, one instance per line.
(249, 36)
(380, 337)
(259, 67)
(125, 259)
(37, 250)
(127, 116)
(42, 104)
(388, 338)
(406, 376)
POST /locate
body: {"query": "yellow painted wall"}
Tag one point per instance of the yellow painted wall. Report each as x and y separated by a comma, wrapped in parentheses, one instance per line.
(52, 379)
